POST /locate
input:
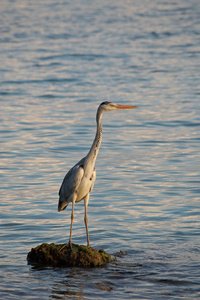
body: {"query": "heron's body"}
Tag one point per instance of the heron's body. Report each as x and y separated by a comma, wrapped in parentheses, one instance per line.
(79, 181)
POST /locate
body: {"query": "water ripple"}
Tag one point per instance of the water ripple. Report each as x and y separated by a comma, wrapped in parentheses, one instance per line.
(59, 60)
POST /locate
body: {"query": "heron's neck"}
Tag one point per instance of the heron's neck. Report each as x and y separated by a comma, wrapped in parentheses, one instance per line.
(92, 155)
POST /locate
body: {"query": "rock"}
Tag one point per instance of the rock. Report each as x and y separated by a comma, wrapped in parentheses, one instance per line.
(120, 253)
(62, 256)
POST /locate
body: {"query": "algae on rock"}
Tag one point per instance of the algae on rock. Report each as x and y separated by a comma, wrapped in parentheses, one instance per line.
(62, 256)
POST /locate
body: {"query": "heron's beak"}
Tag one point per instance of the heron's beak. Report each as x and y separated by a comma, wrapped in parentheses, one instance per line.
(121, 106)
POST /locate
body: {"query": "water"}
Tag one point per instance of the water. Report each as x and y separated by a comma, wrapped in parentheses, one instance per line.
(58, 61)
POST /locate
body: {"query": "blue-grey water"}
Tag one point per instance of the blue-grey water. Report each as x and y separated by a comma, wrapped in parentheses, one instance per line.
(58, 61)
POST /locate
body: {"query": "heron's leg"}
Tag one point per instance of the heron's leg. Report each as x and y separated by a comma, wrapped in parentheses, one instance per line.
(72, 219)
(86, 200)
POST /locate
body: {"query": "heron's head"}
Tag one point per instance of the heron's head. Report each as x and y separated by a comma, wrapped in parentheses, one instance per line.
(110, 106)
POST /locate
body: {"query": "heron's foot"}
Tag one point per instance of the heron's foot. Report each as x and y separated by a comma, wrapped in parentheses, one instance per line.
(66, 245)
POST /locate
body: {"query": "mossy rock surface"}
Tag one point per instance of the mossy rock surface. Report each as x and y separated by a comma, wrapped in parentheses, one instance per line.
(62, 256)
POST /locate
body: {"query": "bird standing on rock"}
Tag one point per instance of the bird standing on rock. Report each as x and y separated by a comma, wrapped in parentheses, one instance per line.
(79, 181)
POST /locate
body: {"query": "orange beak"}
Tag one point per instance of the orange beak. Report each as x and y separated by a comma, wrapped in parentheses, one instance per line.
(121, 106)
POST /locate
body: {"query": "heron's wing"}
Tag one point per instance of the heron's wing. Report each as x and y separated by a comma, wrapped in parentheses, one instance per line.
(71, 181)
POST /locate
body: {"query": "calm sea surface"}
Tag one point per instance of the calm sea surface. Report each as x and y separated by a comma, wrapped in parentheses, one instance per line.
(58, 61)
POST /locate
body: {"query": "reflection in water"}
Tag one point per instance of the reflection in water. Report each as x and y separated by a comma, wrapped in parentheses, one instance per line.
(72, 284)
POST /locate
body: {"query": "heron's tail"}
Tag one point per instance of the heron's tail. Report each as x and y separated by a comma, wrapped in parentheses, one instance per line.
(62, 205)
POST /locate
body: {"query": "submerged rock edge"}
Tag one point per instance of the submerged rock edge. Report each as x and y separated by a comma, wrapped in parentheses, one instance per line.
(61, 255)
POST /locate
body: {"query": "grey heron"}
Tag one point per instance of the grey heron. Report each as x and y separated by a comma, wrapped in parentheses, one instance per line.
(79, 181)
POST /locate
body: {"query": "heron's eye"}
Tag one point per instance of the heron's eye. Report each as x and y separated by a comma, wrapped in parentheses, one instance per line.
(105, 103)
